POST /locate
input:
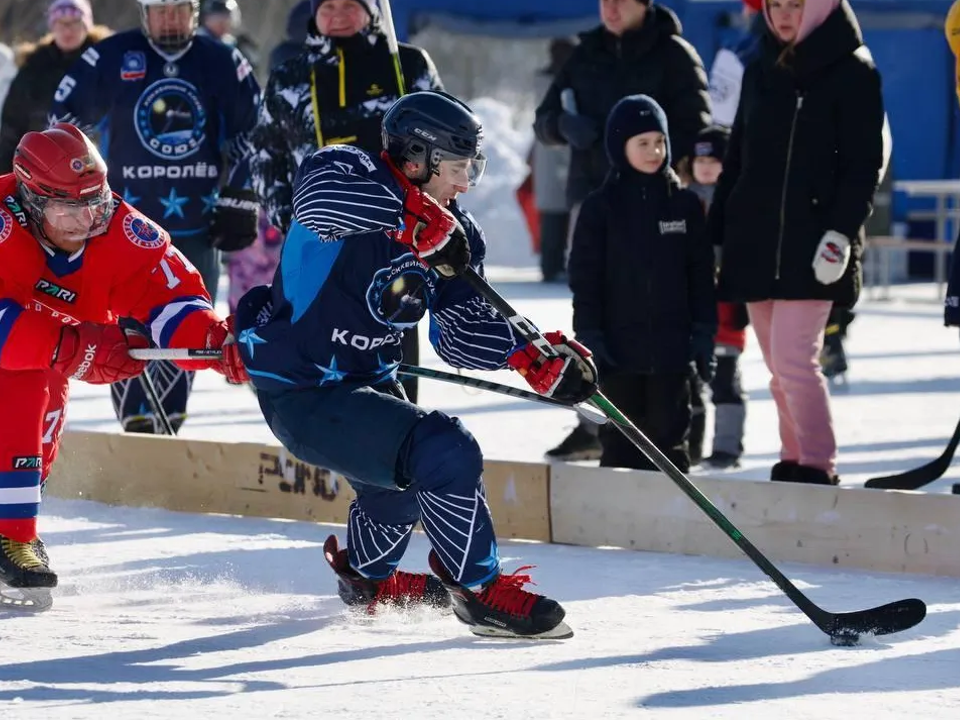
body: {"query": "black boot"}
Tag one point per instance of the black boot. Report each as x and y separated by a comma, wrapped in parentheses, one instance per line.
(784, 471)
(814, 476)
(503, 608)
(401, 589)
(580, 444)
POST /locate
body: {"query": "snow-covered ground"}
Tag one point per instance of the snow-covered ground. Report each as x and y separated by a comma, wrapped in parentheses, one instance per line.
(167, 615)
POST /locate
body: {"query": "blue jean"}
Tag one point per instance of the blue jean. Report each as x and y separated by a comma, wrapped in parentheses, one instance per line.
(405, 464)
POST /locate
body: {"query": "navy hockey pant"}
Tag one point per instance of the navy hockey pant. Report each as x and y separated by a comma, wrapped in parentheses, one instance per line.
(405, 464)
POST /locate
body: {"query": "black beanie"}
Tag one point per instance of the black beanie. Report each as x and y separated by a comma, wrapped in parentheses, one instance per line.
(712, 142)
(633, 115)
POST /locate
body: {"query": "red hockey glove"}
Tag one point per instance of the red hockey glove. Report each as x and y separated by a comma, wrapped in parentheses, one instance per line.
(571, 378)
(98, 354)
(434, 234)
(220, 337)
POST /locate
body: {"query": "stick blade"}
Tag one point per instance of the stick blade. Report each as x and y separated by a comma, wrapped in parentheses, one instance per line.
(911, 479)
(884, 620)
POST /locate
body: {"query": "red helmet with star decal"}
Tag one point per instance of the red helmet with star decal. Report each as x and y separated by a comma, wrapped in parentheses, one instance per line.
(62, 181)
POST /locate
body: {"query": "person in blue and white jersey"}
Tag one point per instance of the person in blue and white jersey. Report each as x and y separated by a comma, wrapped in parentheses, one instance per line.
(375, 244)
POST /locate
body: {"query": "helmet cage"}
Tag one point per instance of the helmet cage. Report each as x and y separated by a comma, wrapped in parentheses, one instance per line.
(170, 43)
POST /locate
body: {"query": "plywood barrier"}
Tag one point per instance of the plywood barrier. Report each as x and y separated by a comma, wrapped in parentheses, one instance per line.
(856, 528)
(258, 480)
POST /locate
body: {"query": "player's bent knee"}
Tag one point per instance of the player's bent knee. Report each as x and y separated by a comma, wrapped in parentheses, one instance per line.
(441, 454)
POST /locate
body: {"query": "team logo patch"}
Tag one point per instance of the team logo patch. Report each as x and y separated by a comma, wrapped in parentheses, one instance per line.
(400, 294)
(133, 66)
(141, 232)
(6, 225)
(673, 227)
(171, 120)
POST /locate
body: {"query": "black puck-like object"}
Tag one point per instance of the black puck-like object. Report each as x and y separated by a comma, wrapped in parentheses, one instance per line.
(845, 639)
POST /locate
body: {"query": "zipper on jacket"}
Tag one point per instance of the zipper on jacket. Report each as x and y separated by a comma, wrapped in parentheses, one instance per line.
(786, 176)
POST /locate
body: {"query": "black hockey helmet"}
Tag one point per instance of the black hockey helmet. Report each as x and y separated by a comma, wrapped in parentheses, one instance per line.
(429, 127)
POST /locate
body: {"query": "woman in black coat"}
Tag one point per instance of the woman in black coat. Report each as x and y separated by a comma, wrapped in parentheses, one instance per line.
(42, 65)
(799, 177)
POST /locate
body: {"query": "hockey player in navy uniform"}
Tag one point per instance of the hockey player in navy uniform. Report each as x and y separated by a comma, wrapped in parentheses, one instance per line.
(173, 111)
(375, 243)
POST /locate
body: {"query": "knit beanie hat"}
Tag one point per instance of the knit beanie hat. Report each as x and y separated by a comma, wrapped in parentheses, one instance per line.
(633, 115)
(369, 5)
(63, 9)
(712, 142)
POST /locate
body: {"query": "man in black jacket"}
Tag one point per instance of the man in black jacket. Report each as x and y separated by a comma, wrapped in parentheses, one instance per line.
(636, 50)
(334, 92)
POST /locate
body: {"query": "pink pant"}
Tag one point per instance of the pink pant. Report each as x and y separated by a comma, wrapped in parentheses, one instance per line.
(790, 334)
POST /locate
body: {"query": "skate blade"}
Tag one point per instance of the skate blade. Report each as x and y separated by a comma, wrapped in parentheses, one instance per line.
(26, 600)
(560, 632)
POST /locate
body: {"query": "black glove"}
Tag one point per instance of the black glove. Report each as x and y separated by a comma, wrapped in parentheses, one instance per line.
(702, 350)
(235, 218)
(581, 132)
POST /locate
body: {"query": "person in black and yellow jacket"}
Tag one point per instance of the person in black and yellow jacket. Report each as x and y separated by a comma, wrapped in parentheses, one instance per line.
(951, 307)
(335, 92)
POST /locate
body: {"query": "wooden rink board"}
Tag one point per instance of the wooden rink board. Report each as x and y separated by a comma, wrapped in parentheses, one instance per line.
(886, 531)
(256, 480)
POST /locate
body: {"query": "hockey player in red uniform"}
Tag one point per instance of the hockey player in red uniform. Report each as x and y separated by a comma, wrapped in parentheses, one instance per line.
(74, 258)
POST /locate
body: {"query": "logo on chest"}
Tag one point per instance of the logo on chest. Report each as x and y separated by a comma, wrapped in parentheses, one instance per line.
(673, 227)
(55, 291)
(171, 119)
(398, 295)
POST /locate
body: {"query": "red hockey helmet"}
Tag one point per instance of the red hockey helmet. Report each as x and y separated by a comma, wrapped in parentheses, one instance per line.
(62, 181)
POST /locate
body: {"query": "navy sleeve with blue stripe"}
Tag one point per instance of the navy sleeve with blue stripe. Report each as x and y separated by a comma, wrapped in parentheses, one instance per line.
(341, 191)
(465, 330)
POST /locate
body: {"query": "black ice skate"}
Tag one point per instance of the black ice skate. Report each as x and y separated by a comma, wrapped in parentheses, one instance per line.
(401, 589)
(578, 445)
(503, 609)
(25, 576)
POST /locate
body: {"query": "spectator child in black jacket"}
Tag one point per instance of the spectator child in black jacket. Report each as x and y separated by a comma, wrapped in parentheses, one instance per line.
(641, 271)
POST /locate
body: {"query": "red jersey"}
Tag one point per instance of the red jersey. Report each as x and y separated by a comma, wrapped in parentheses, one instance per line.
(132, 270)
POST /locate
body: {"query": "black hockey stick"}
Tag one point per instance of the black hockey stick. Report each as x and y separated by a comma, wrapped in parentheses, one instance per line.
(146, 382)
(843, 628)
(923, 475)
(409, 370)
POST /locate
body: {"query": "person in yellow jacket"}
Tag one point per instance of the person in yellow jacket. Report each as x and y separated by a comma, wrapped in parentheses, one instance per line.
(951, 28)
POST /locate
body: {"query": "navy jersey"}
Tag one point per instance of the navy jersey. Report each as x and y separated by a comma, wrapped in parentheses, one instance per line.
(166, 127)
(346, 290)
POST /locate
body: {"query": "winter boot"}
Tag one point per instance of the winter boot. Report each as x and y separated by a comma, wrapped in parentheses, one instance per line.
(22, 567)
(784, 471)
(400, 589)
(502, 608)
(813, 476)
(580, 444)
(722, 461)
